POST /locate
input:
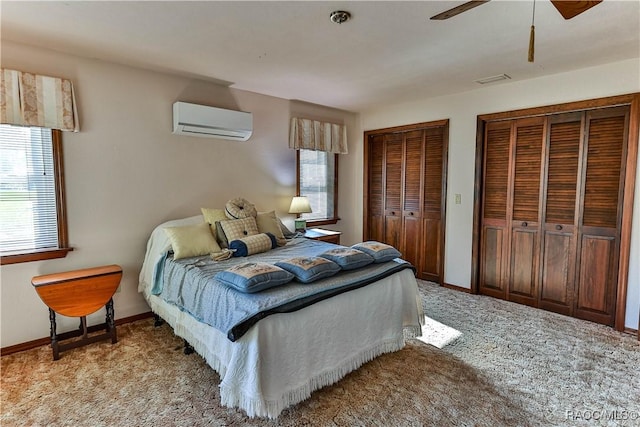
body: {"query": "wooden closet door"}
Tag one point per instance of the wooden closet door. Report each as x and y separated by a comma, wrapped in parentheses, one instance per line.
(412, 197)
(405, 185)
(561, 210)
(434, 161)
(493, 240)
(393, 155)
(599, 244)
(528, 137)
(375, 196)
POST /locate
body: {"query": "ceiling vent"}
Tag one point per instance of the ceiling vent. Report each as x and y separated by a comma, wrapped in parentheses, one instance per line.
(211, 122)
(493, 79)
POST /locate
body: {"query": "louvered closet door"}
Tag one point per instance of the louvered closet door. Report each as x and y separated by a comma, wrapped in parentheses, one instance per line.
(430, 265)
(525, 221)
(393, 152)
(375, 199)
(599, 244)
(412, 200)
(493, 243)
(559, 230)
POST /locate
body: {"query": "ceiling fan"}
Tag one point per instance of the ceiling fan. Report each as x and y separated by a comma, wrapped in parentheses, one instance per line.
(567, 8)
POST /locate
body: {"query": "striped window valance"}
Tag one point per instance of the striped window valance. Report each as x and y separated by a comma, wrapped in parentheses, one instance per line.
(308, 134)
(28, 99)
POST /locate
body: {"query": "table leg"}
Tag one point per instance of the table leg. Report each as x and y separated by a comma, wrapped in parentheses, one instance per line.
(54, 336)
(110, 321)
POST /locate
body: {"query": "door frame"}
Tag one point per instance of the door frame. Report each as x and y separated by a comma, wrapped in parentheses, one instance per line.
(633, 100)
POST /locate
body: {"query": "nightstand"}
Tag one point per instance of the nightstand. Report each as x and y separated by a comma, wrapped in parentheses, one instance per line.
(329, 236)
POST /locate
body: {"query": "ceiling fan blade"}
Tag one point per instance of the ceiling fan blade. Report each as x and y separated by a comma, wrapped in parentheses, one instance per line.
(569, 9)
(459, 9)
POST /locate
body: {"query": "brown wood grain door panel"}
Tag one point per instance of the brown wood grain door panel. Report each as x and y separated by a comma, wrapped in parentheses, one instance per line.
(493, 242)
(558, 269)
(492, 270)
(524, 246)
(431, 251)
(523, 263)
(561, 204)
(410, 242)
(597, 279)
(375, 186)
(393, 231)
(413, 165)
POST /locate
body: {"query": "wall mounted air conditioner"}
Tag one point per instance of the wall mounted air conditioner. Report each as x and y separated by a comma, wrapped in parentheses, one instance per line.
(211, 122)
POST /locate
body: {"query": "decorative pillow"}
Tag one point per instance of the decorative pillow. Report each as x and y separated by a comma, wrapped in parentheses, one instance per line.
(211, 216)
(255, 244)
(240, 208)
(220, 237)
(268, 223)
(234, 229)
(191, 240)
(381, 252)
(309, 269)
(252, 277)
(347, 258)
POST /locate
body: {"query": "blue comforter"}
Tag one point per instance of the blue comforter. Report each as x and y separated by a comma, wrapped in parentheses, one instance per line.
(190, 285)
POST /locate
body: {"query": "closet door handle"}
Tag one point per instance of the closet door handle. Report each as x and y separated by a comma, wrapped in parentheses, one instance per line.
(524, 223)
(411, 213)
(393, 213)
(558, 227)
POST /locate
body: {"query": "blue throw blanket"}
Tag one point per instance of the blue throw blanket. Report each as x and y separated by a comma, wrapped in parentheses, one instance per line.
(190, 285)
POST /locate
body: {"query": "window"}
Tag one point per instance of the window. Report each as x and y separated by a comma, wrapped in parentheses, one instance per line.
(318, 180)
(32, 214)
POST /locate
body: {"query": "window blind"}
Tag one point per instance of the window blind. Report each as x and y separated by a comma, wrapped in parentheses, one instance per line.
(28, 215)
(317, 172)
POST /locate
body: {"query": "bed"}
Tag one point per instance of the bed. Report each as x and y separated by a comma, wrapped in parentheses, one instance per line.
(278, 358)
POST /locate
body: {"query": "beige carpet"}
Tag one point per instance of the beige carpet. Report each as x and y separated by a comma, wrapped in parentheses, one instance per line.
(511, 366)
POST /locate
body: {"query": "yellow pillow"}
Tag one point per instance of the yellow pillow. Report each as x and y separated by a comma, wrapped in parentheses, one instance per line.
(211, 216)
(192, 240)
(235, 229)
(268, 223)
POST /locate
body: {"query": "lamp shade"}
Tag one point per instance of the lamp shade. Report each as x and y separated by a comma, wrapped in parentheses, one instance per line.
(300, 205)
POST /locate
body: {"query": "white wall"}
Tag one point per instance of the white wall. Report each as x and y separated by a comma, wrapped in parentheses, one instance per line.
(462, 110)
(126, 173)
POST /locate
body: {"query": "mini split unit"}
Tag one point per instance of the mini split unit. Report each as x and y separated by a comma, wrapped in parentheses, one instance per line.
(211, 122)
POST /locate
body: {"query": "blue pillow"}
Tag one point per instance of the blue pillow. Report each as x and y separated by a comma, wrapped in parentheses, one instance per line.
(347, 258)
(381, 252)
(309, 269)
(253, 244)
(250, 277)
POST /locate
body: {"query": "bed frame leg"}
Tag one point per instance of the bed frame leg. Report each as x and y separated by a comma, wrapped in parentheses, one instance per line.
(187, 348)
(158, 320)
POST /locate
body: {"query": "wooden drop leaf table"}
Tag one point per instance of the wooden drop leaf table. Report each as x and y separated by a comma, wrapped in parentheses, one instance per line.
(79, 293)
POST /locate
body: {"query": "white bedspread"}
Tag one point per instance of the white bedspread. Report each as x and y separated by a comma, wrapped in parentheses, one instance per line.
(285, 357)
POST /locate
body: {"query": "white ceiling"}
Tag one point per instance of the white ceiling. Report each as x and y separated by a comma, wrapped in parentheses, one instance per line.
(389, 52)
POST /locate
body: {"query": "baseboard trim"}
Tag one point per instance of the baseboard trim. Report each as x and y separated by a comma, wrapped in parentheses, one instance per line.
(5, 351)
(456, 288)
(631, 331)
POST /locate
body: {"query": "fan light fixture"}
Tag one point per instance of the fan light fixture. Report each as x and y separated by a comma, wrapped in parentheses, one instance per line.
(339, 16)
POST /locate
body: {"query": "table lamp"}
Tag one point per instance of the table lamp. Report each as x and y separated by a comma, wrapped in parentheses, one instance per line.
(300, 205)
